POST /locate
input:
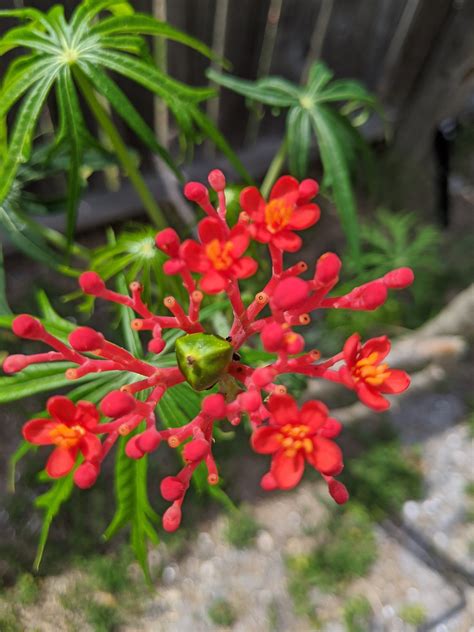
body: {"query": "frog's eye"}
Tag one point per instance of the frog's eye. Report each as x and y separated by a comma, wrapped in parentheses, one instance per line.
(203, 359)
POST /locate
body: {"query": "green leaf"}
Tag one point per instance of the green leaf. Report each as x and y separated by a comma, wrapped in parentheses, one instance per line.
(17, 83)
(207, 126)
(26, 37)
(318, 77)
(4, 307)
(252, 89)
(146, 25)
(20, 144)
(23, 449)
(298, 134)
(72, 117)
(51, 503)
(50, 315)
(88, 9)
(335, 164)
(346, 90)
(126, 110)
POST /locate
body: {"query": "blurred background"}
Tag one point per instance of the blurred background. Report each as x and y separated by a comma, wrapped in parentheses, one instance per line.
(400, 555)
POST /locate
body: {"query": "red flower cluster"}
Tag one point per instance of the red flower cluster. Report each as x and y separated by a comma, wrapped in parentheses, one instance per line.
(292, 436)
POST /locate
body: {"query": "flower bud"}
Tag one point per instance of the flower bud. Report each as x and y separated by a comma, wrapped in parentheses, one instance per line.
(214, 406)
(132, 449)
(263, 376)
(290, 292)
(250, 400)
(172, 488)
(91, 283)
(294, 343)
(373, 295)
(117, 404)
(25, 326)
(172, 518)
(308, 189)
(217, 180)
(272, 337)
(327, 269)
(86, 475)
(338, 491)
(173, 266)
(268, 482)
(195, 450)
(15, 363)
(399, 278)
(149, 440)
(196, 192)
(168, 241)
(156, 345)
(86, 339)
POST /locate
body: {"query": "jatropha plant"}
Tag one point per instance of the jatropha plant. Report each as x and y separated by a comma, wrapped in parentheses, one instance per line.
(83, 434)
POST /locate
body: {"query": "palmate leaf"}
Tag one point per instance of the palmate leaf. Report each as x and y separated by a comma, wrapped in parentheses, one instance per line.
(268, 94)
(298, 134)
(318, 77)
(20, 79)
(335, 164)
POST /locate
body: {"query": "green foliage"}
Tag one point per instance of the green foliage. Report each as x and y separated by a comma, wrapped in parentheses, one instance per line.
(27, 590)
(346, 550)
(75, 57)
(357, 614)
(384, 476)
(85, 604)
(221, 612)
(310, 111)
(413, 614)
(242, 529)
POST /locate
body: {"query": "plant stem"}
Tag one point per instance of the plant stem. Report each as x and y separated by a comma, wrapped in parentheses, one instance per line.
(121, 151)
(274, 169)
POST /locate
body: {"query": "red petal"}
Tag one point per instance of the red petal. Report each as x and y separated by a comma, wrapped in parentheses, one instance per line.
(239, 236)
(287, 241)
(283, 409)
(304, 216)
(327, 456)
(61, 461)
(287, 471)
(91, 446)
(350, 350)
(260, 233)
(346, 377)
(38, 431)
(284, 186)
(213, 282)
(87, 414)
(397, 382)
(371, 397)
(314, 414)
(193, 254)
(210, 228)
(251, 201)
(245, 267)
(380, 345)
(62, 409)
(332, 428)
(264, 440)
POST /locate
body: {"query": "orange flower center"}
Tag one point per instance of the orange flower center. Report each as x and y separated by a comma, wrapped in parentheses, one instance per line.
(295, 438)
(219, 254)
(367, 370)
(66, 436)
(277, 215)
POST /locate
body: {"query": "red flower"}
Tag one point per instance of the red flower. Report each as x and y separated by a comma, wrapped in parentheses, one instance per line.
(288, 209)
(219, 255)
(367, 376)
(294, 436)
(68, 428)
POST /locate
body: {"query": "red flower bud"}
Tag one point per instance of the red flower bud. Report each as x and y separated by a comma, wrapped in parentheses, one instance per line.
(338, 491)
(167, 241)
(294, 343)
(250, 401)
(399, 278)
(272, 337)
(327, 269)
(86, 339)
(172, 488)
(263, 376)
(308, 189)
(91, 283)
(268, 483)
(173, 266)
(217, 180)
(132, 450)
(196, 192)
(195, 450)
(214, 406)
(156, 345)
(25, 326)
(172, 518)
(117, 403)
(86, 475)
(374, 295)
(15, 363)
(149, 440)
(290, 292)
